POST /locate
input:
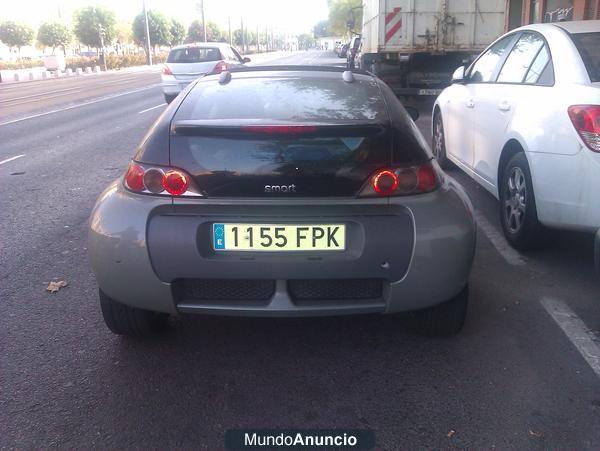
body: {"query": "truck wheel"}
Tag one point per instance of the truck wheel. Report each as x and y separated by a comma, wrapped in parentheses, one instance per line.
(518, 213)
(439, 142)
(443, 319)
(122, 319)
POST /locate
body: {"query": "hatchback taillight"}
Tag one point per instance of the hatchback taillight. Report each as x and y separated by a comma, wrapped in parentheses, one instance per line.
(166, 71)
(586, 120)
(159, 180)
(402, 181)
(221, 66)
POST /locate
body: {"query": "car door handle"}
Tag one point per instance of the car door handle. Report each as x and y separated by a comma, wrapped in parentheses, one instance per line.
(470, 103)
(504, 106)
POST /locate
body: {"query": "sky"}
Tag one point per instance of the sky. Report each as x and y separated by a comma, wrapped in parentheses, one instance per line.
(291, 16)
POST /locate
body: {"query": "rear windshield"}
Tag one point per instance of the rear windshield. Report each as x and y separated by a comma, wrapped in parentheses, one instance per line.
(285, 99)
(194, 55)
(588, 45)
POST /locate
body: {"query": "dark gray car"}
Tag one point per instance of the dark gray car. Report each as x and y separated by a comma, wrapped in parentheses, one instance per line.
(283, 191)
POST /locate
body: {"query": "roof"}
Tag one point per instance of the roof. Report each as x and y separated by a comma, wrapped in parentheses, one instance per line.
(580, 26)
(211, 45)
(573, 27)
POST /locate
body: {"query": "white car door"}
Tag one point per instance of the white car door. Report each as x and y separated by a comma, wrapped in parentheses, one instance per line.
(496, 102)
(460, 106)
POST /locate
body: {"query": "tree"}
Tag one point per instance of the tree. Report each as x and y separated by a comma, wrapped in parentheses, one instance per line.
(196, 32)
(343, 11)
(177, 32)
(158, 26)
(305, 41)
(237, 38)
(54, 34)
(321, 29)
(90, 22)
(15, 34)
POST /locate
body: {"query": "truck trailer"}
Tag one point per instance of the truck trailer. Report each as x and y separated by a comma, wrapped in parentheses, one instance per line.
(415, 45)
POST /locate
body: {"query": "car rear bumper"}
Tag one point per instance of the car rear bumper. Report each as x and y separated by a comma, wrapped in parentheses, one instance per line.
(406, 254)
(173, 86)
(570, 204)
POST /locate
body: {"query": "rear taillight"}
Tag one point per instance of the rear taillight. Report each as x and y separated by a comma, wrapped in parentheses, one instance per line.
(166, 71)
(221, 66)
(586, 120)
(402, 181)
(164, 181)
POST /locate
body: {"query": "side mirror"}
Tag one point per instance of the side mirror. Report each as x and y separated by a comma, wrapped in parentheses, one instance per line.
(412, 112)
(246, 60)
(458, 75)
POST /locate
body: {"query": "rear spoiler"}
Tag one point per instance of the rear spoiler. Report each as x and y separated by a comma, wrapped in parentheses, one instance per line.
(254, 129)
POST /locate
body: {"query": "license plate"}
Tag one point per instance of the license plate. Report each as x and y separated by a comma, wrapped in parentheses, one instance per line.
(429, 92)
(279, 237)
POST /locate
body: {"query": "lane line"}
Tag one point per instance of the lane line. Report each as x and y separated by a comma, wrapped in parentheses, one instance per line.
(90, 102)
(15, 102)
(11, 159)
(511, 256)
(151, 108)
(39, 94)
(575, 330)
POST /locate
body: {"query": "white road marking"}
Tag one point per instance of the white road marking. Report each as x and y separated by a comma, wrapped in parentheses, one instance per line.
(11, 159)
(89, 102)
(511, 256)
(40, 94)
(151, 108)
(575, 330)
(15, 102)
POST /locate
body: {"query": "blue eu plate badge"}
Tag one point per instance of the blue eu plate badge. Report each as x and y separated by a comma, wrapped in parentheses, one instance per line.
(219, 236)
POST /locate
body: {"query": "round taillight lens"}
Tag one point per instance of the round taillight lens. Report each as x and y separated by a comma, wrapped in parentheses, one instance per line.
(407, 180)
(134, 178)
(385, 183)
(153, 181)
(175, 182)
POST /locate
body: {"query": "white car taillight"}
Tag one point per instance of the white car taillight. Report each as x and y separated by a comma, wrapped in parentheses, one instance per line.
(165, 181)
(586, 120)
(166, 71)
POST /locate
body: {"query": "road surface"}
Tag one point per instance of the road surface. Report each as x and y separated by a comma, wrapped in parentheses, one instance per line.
(513, 379)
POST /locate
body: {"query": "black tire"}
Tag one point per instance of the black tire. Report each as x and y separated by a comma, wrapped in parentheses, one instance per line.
(443, 319)
(122, 319)
(438, 142)
(170, 97)
(518, 212)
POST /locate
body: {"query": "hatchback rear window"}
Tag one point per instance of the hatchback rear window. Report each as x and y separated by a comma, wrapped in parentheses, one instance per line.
(194, 55)
(285, 99)
(588, 45)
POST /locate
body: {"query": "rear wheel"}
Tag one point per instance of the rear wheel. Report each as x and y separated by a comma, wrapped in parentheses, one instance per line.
(170, 97)
(439, 142)
(518, 213)
(443, 319)
(122, 319)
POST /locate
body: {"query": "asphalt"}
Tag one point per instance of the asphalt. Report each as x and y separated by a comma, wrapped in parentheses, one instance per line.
(511, 379)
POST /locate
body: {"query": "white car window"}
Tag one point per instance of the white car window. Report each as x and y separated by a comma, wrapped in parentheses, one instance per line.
(541, 71)
(484, 68)
(520, 58)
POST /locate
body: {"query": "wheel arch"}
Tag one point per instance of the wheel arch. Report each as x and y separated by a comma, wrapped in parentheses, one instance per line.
(510, 149)
(436, 110)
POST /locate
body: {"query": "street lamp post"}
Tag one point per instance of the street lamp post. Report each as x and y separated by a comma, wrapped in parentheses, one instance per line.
(149, 53)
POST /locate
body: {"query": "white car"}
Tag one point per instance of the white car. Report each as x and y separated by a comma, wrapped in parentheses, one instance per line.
(524, 122)
(187, 62)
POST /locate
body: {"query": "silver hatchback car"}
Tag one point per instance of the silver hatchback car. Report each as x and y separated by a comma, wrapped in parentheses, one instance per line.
(187, 62)
(283, 191)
